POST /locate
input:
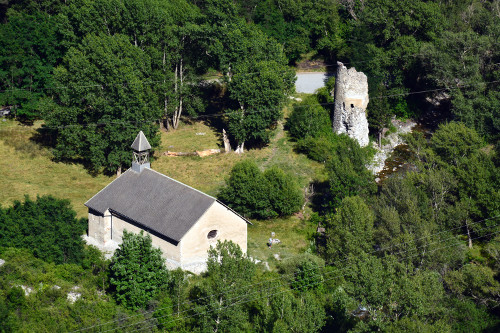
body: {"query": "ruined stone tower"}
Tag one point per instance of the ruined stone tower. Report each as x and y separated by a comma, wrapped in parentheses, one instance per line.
(351, 100)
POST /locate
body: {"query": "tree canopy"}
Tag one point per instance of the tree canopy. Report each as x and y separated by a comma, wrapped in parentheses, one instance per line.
(137, 271)
(47, 226)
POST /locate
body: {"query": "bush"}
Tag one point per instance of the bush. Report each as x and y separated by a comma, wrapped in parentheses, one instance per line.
(285, 195)
(246, 191)
(308, 120)
(137, 271)
(261, 195)
(48, 227)
(304, 271)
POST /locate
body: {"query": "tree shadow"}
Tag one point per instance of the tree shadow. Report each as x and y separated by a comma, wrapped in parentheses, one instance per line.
(321, 197)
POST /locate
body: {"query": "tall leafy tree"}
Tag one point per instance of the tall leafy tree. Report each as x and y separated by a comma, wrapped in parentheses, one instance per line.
(107, 98)
(259, 89)
(228, 274)
(350, 230)
(465, 58)
(30, 46)
(137, 271)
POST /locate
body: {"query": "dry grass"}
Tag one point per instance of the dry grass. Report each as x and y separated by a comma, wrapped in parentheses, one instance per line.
(27, 168)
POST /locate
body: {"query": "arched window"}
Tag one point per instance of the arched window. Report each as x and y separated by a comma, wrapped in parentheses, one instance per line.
(212, 234)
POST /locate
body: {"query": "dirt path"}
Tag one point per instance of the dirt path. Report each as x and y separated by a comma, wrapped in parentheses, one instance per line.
(274, 143)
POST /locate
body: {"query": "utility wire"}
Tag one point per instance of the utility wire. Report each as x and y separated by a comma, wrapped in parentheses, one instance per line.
(334, 264)
(237, 112)
(340, 273)
(197, 79)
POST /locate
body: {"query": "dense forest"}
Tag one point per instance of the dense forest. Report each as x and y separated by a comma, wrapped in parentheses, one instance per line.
(419, 251)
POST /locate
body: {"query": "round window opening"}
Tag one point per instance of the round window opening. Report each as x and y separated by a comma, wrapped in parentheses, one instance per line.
(212, 234)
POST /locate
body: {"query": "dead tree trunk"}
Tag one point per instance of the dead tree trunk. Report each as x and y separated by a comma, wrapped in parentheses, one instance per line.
(467, 226)
(165, 123)
(241, 145)
(468, 233)
(175, 92)
(240, 148)
(225, 139)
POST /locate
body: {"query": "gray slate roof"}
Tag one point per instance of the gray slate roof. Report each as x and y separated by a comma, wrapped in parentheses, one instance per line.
(153, 200)
(140, 143)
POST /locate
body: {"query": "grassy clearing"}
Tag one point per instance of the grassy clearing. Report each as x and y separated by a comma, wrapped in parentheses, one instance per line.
(293, 232)
(27, 168)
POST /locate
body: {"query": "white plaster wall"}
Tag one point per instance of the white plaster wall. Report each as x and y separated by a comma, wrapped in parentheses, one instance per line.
(195, 244)
(170, 251)
(191, 252)
(99, 227)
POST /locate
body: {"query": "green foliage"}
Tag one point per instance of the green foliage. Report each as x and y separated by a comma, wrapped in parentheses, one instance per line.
(7, 319)
(285, 195)
(228, 274)
(348, 175)
(302, 26)
(164, 314)
(304, 272)
(304, 314)
(47, 306)
(309, 120)
(466, 55)
(258, 98)
(47, 226)
(261, 194)
(31, 44)
(477, 281)
(325, 94)
(105, 76)
(466, 316)
(350, 230)
(15, 298)
(387, 285)
(454, 141)
(137, 271)
(246, 190)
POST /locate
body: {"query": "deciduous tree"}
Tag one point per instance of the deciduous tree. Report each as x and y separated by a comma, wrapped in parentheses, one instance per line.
(106, 102)
(137, 271)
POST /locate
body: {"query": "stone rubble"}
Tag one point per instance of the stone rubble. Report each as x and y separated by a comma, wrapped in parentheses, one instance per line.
(393, 140)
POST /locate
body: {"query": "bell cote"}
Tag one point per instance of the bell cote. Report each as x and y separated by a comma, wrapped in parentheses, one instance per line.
(141, 149)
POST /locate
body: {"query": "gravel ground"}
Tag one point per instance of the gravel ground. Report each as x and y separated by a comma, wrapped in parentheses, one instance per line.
(309, 82)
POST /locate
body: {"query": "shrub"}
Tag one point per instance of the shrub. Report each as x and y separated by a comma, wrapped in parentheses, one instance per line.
(304, 271)
(246, 191)
(48, 227)
(308, 120)
(285, 195)
(261, 195)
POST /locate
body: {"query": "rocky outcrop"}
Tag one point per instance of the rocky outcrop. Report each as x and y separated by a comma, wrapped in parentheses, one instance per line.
(351, 100)
(390, 140)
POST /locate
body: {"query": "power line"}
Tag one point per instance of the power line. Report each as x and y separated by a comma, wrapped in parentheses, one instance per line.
(269, 295)
(196, 79)
(237, 112)
(336, 263)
